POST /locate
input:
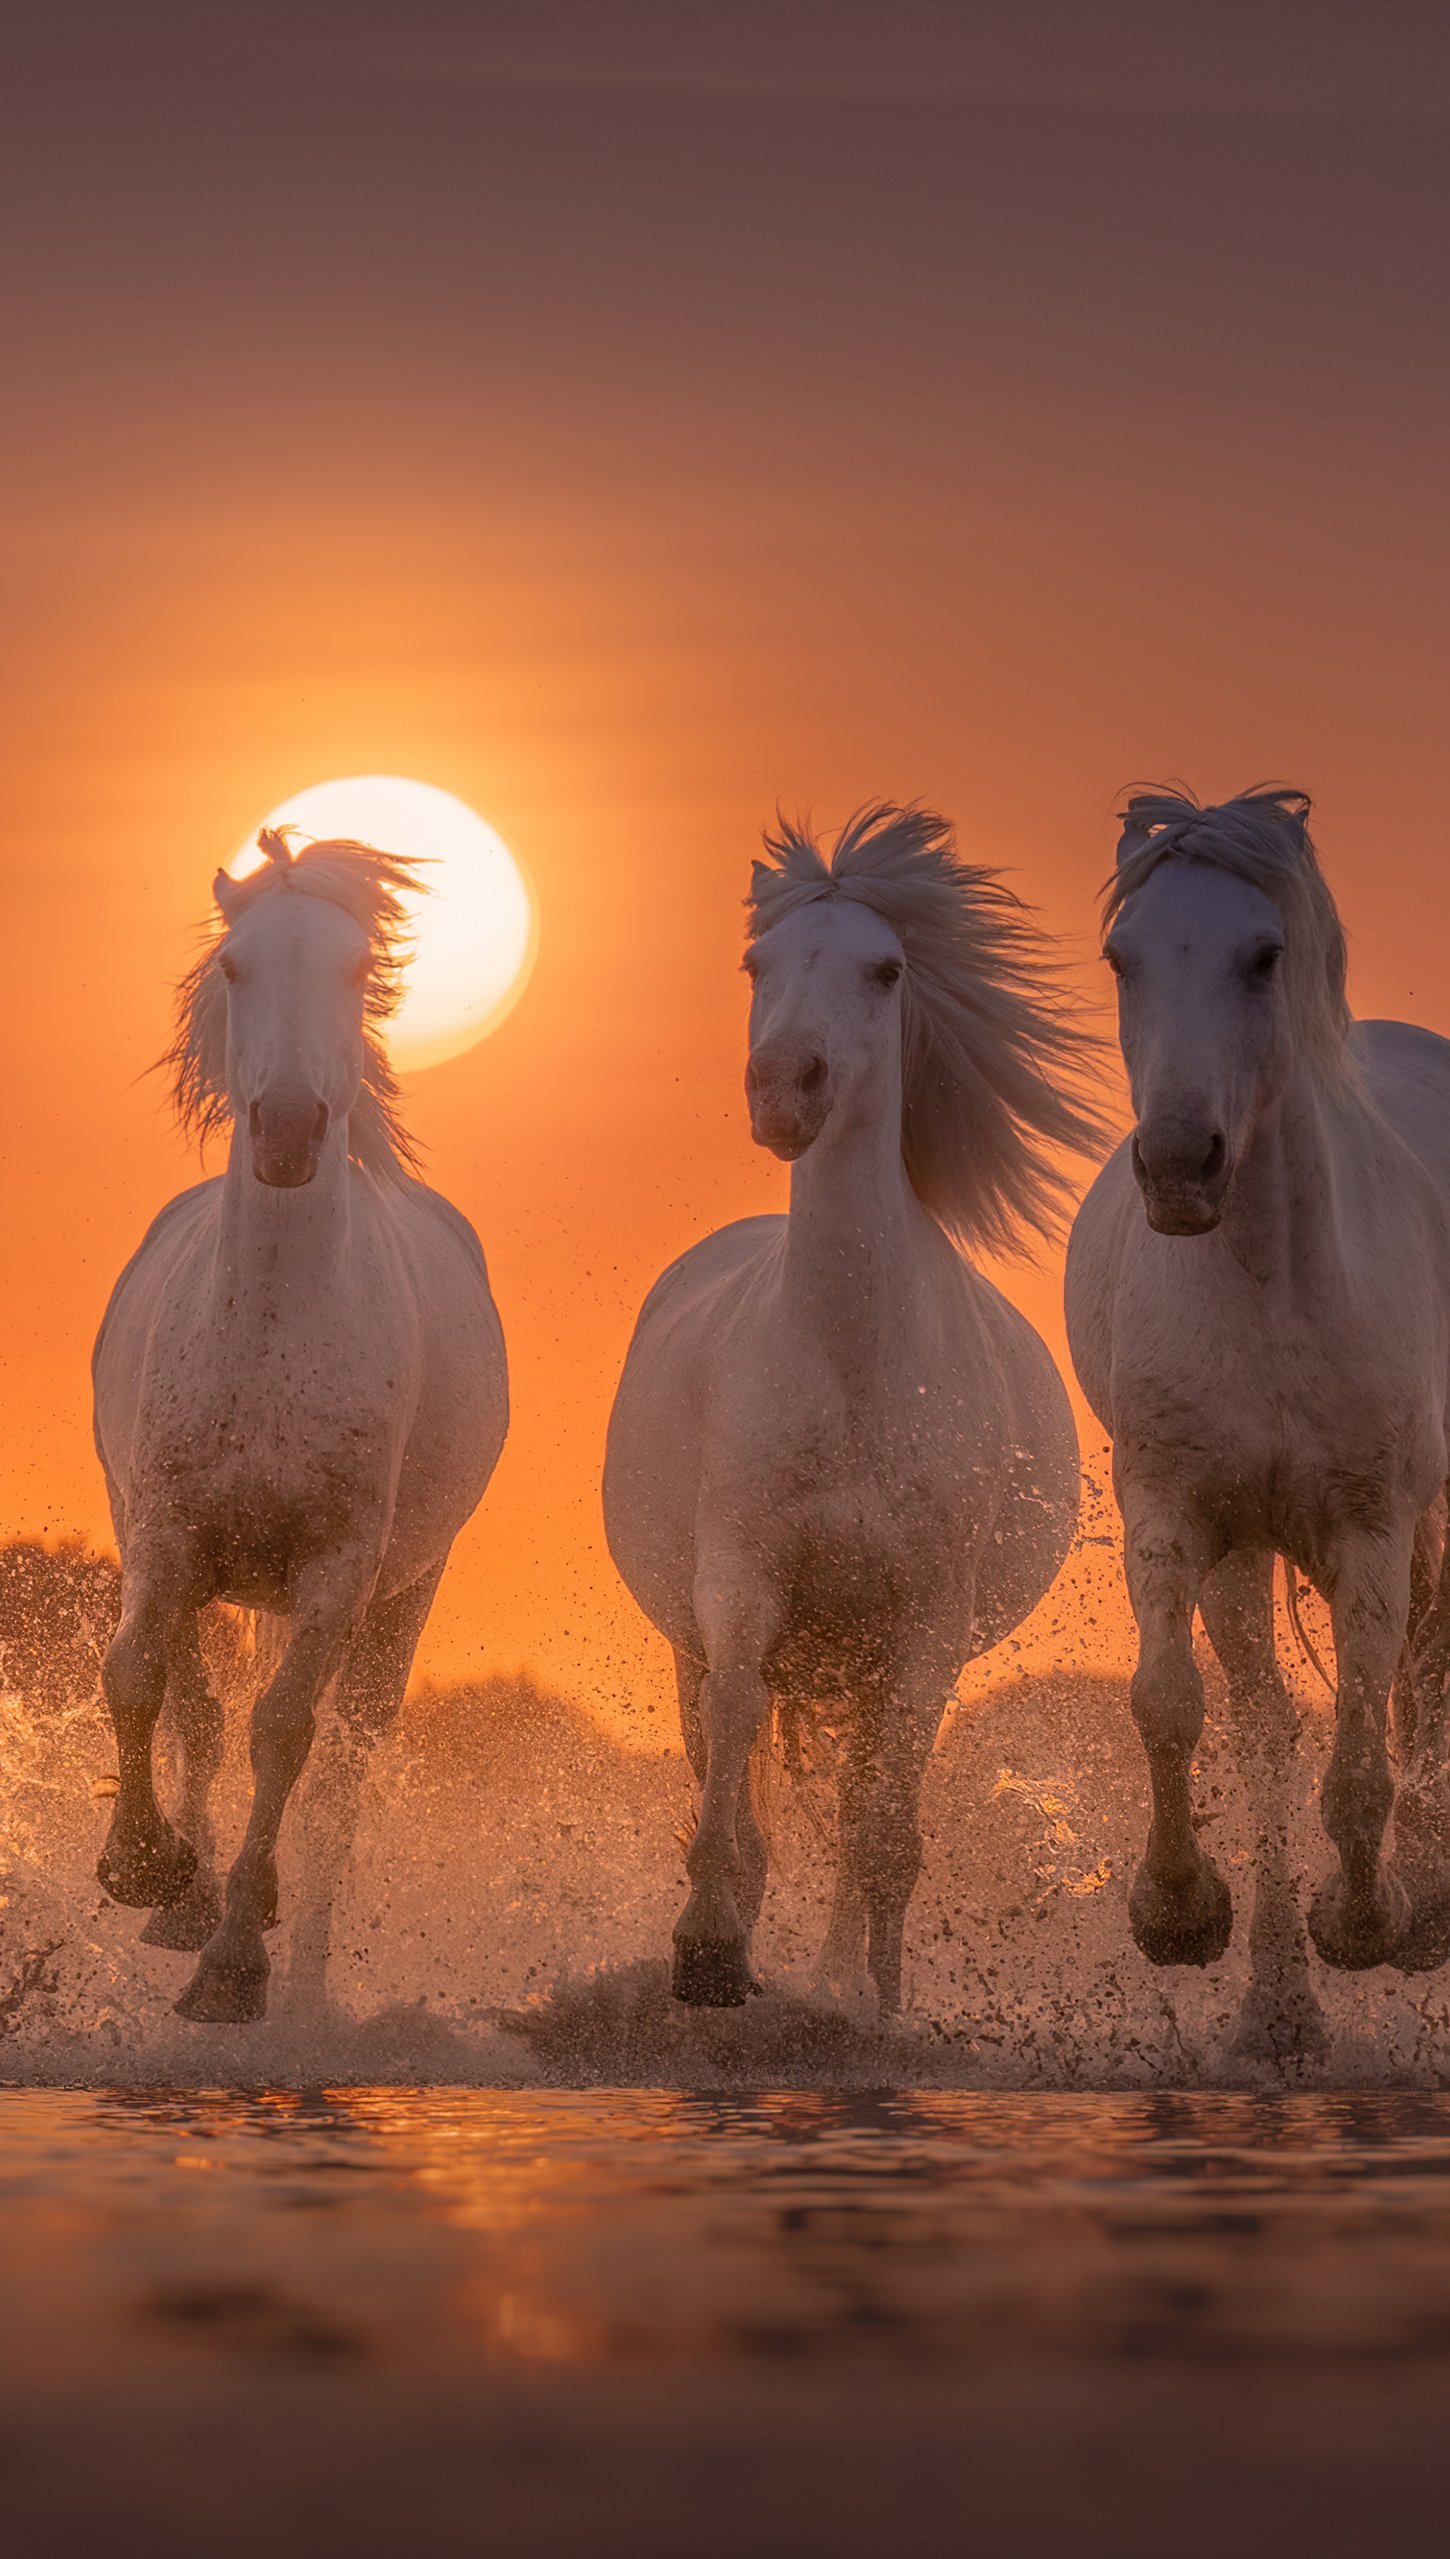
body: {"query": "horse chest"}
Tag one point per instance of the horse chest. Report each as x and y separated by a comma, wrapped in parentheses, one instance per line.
(865, 1511)
(269, 1447)
(1283, 1432)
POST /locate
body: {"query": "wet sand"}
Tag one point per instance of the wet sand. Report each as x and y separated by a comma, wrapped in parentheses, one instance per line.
(381, 2320)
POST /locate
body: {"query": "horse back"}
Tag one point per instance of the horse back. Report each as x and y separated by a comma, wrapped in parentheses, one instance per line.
(1407, 1070)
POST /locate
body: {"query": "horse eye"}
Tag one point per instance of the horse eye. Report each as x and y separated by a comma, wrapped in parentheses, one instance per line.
(1114, 960)
(228, 968)
(1264, 963)
(885, 972)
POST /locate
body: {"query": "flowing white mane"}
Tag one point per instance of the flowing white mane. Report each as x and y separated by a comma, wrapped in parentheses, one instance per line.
(995, 1056)
(1261, 836)
(366, 884)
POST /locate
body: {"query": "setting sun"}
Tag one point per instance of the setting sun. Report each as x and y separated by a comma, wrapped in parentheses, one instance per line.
(474, 919)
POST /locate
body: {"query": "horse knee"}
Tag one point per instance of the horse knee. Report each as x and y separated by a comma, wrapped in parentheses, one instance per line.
(133, 1674)
(733, 1707)
(1358, 1790)
(1167, 1701)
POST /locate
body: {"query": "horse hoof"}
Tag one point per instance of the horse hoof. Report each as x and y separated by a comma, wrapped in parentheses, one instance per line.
(1189, 1923)
(712, 1972)
(221, 1994)
(146, 1870)
(184, 1927)
(1275, 2029)
(1353, 1938)
(1422, 1867)
(1425, 1943)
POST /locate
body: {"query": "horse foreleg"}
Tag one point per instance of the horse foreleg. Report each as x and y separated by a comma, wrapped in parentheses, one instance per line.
(1360, 1915)
(1281, 2018)
(368, 1694)
(749, 1836)
(143, 1862)
(712, 1936)
(1180, 1907)
(184, 1926)
(229, 1986)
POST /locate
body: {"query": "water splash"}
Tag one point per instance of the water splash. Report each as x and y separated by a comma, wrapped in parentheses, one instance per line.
(518, 1872)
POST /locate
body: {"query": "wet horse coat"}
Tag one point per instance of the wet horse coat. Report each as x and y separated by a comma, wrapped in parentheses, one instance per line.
(840, 1464)
(1258, 1300)
(300, 1396)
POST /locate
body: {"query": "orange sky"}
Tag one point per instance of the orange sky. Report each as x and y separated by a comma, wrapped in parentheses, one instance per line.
(624, 458)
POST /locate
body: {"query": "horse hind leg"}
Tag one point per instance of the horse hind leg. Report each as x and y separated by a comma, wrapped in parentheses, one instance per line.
(184, 1926)
(1422, 1815)
(144, 1862)
(367, 1696)
(886, 1851)
(843, 1966)
(1280, 2019)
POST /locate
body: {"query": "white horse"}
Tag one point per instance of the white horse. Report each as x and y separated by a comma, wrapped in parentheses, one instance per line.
(301, 1394)
(1258, 1301)
(840, 1464)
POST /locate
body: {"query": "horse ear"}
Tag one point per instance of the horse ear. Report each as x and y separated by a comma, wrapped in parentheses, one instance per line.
(761, 876)
(224, 890)
(1132, 840)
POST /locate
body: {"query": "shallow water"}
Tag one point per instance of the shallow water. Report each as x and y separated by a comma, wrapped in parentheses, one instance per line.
(384, 2319)
(518, 1872)
(493, 2247)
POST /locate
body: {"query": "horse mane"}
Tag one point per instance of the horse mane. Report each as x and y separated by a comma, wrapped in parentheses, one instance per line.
(1262, 836)
(995, 1057)
(367, 885)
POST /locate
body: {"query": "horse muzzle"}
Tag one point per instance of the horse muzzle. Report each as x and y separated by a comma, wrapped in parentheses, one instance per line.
(287, 1134)
(789, 1100)
(1183, 1178)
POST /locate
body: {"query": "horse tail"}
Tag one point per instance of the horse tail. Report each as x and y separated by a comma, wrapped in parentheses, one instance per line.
(1302, 1635)
(242, 1649)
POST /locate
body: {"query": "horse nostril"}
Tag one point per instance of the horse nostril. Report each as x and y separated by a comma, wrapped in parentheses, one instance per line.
(813, 1076)
(1213, 1162)
(320, 1124)
(254, 1123)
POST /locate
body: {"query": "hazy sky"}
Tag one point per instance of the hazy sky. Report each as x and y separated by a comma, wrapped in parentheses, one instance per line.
(628, 417)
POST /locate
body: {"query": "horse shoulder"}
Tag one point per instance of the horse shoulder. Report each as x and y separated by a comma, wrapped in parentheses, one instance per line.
(656, 1442)
(697, 1277)
(1094, 1259)
(177, 1226)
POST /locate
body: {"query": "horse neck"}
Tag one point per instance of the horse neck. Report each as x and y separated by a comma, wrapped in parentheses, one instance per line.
(284, 1247)
(1282, 1216)
(851, 1215)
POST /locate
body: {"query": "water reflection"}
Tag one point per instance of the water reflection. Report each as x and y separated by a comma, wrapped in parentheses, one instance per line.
(670, 2229)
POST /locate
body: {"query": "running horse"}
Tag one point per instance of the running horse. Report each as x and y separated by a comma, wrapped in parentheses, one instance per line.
(300, 1395)
(840, 1464)
(1258, 1303)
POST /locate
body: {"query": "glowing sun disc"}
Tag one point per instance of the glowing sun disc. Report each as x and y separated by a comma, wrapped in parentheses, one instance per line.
(473, 920)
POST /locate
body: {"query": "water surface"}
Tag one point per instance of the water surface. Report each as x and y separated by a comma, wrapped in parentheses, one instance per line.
(380, 2318)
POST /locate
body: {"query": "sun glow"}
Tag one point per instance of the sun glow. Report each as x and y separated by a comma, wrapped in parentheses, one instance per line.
(474, 920)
